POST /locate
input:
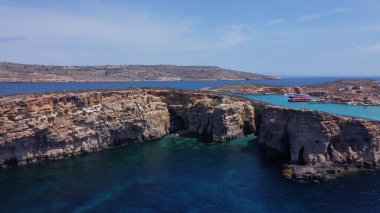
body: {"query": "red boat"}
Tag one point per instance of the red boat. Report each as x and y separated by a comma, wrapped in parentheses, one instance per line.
(299, 98)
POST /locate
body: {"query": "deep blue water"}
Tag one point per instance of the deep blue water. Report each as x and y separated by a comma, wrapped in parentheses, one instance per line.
(179, 175)
(18, 88)
(372, 112)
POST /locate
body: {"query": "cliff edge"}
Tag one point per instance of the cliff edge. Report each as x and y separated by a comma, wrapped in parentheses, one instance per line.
(43, 127)
(317, 145)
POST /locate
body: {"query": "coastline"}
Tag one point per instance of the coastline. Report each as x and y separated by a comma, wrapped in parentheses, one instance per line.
(14, 72)
(348, 91)
(49, 126)
(110, 81)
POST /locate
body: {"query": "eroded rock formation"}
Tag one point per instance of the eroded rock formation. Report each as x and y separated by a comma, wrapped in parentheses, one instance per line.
(319, 145)
(49, 126)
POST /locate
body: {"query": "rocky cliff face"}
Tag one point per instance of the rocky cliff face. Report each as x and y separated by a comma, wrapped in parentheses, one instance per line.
(50, 126)
(44, 127)
(319, 145)
(213, 117)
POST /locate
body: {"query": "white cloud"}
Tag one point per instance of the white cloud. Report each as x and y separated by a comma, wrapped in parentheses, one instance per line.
(341, 10)
(312, 16)
(359, 29)
(129, 31)
(275, 22)
(369, 48)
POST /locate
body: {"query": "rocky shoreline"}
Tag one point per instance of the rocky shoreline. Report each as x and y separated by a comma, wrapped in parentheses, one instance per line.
(318, 145)
(44, 127)
(351, 92)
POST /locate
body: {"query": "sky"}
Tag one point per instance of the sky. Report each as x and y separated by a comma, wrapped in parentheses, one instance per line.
(276, 37)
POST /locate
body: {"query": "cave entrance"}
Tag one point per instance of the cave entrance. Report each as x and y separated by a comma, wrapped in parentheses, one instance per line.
(301, 160)
(247, 128)
(177, 123)
(258, 120)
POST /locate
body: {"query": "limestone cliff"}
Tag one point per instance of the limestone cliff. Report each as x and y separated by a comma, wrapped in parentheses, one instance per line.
(318, 145)
(50, 126)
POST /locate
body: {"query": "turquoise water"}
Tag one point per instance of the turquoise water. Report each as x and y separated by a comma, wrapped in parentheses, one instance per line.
(179, 175)
(372, 112)
(356, 111)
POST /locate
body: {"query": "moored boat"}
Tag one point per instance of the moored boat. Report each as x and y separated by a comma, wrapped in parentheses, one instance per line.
(299, 98)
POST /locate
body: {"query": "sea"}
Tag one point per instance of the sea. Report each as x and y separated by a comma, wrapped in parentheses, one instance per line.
(365, 112)
(180, 174)
(20, 88)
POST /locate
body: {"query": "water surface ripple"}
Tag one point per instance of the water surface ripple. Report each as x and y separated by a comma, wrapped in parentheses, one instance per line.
(178, 174)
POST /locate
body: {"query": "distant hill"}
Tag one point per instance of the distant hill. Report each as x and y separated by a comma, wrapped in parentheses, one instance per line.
(13, 72)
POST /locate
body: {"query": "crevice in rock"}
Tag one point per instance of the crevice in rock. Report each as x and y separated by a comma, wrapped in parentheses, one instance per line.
(258, 120)
(208, 133)
(119, 141)
(12, 162)
(247, 128)
(285, 142)
(330, 152)
(301, 159)
(286, 146)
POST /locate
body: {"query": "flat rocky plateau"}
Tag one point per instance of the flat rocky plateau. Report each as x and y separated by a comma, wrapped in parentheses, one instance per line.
(50, 126)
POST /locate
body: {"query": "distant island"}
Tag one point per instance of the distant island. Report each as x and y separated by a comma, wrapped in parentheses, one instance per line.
(14, 72)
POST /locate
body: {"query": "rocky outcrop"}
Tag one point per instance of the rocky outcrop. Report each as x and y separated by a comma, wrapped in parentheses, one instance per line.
(213, 117)
(318, 145)
(43, 127)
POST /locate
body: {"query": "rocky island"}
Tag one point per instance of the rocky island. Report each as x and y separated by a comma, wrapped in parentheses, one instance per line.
(363, 92)
(12, 72)
(316, 145)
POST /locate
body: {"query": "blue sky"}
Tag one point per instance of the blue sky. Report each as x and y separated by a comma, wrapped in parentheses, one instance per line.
(277, 37)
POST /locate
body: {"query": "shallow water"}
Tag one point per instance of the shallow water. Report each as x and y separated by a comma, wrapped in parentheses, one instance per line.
(179, 175)
(372, 112)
